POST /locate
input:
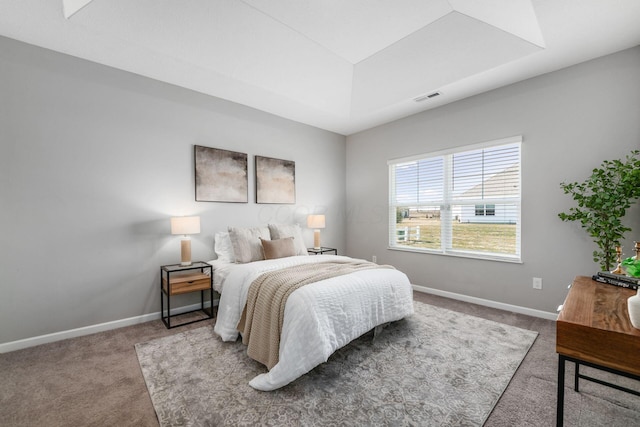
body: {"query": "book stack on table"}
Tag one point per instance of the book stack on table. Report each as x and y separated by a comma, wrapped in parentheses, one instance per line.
(617, 279)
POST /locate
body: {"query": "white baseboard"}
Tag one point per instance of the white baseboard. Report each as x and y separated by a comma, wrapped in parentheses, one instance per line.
(487, 303)
(88, 330)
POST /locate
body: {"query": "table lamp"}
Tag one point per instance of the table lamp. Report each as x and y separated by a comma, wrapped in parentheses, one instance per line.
(316, 222)
(185, 225)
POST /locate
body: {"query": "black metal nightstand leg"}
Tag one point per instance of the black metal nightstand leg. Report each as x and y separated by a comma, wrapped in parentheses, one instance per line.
(560, 402)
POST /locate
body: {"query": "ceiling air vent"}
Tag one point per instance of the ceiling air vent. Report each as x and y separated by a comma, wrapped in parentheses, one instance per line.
(425, 97)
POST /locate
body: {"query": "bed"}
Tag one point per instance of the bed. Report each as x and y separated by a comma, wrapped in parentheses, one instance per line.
(319, 317)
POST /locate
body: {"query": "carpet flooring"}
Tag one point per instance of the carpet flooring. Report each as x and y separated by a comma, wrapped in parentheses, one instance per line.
(95, 380)
(436, 367)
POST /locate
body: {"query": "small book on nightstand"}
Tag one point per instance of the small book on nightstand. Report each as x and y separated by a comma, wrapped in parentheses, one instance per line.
(616, 280)
(635, 280)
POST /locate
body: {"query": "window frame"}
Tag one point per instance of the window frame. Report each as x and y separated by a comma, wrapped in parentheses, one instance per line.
(446, 227)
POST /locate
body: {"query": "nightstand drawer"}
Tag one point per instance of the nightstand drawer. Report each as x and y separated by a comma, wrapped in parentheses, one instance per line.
(187, 283)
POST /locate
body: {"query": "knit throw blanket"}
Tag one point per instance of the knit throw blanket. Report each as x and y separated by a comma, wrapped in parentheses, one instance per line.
(263, 315)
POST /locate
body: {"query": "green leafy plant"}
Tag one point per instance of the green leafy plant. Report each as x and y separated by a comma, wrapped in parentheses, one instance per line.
(632, 266)
(603, 200)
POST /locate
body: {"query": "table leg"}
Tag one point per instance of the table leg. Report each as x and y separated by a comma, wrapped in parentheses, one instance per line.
(560, 403)
(577, 377)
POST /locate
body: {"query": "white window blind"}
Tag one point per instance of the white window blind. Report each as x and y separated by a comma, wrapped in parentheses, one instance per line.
(462, 202)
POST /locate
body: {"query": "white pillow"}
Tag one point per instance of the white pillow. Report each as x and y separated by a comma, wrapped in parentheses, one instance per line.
(223, 247)
(281, 231)
(246, 242)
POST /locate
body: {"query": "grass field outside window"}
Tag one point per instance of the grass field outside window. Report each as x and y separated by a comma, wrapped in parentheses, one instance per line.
(490, 238)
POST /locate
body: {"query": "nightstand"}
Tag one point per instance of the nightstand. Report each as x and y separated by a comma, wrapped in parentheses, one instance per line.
(177, 279)
(322, 250)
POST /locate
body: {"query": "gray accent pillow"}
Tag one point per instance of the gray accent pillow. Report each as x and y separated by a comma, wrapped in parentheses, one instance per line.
(246, 242)
(280, 231)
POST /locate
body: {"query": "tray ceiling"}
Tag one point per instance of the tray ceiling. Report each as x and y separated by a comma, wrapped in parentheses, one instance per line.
(339, 65)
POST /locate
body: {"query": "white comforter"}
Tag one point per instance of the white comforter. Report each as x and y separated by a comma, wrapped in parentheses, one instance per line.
(319, 318)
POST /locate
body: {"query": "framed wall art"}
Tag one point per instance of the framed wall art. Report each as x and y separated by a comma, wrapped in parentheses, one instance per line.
(275, 180)
(221, 175)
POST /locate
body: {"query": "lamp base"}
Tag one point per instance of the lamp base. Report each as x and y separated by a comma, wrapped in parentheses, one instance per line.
(185, 252)
(316, 239)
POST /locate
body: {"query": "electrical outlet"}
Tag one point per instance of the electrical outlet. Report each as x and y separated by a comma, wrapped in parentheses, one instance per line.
(374, 258)
(537, 283)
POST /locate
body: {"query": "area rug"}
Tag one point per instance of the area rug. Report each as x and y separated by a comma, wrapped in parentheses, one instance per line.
(434, 368)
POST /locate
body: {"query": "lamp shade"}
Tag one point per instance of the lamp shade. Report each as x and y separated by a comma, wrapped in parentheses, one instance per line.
(185, 225)
(315, 221)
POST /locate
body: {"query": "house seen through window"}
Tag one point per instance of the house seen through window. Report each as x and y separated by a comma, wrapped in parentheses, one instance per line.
(463, 202)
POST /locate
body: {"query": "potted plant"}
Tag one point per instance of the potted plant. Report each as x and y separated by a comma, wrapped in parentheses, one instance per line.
(603, 200)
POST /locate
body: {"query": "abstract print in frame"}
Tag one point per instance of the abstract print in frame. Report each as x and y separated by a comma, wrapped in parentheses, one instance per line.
(221, 175)
(275, 180)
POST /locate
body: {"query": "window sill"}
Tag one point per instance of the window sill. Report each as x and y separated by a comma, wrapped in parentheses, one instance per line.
(460, 254)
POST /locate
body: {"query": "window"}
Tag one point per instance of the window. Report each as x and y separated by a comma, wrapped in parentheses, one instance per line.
(463, 202)
(482, 210)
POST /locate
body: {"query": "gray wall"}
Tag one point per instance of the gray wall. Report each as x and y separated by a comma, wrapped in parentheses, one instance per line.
(93, 163)
(570, 121)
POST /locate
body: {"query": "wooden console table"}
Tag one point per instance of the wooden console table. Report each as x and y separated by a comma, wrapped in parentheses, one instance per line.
(593, 329)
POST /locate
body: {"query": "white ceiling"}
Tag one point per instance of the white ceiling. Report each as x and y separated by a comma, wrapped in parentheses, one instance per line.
(340, 65)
